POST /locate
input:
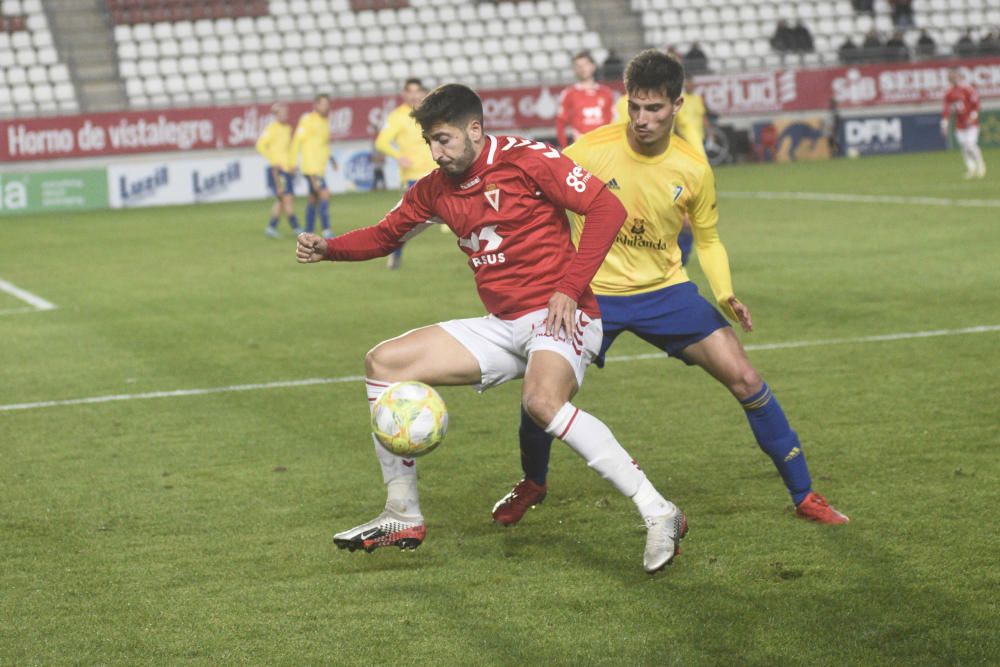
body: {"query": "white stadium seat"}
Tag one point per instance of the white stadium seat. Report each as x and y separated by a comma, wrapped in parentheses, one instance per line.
(38, 74)
(344, 49)
(64, 92)
(169, 48)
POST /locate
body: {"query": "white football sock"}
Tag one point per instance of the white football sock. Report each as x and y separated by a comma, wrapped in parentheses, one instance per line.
(398, 474)
(589, 437)
(977, 157)
(970, 160)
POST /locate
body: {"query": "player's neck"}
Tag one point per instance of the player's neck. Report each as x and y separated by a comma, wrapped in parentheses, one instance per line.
(589, 84)
(647, 150)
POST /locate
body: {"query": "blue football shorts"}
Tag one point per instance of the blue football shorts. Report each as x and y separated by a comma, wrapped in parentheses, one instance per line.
(316, 184)
(286, 181)
(670, 318)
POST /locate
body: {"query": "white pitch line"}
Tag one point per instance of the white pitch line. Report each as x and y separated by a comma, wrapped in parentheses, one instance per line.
(865, 199)
(838, 341)
(358, 378)
(180, 392)
(32, 299)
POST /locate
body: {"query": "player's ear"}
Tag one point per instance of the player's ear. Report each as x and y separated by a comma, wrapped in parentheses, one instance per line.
(678, 103)
(474, 129)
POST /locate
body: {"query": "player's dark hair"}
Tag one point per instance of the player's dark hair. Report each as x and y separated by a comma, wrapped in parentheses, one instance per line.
(656, 71)
(584, 54)
(413, 82)
(451, 103)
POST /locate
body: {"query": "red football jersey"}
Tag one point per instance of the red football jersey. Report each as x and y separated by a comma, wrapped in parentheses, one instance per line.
(583, 109)
(509, 213)
(964, 101)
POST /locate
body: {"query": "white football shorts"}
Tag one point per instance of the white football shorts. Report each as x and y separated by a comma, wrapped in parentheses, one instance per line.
(968, 137)
(503, 347)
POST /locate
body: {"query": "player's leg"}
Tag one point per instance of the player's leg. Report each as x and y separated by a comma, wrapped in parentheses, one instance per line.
(324, 210)
(685, 240)
(976, 153)
(272, 225)
(536, 444)
(395, 260)
(722, 355)
(271, 230)
(428, 355)
(553, 375)
(963, 137)
(288, 204)
(311, 204)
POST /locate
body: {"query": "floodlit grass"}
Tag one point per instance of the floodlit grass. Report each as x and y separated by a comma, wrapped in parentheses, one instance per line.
(197, 529)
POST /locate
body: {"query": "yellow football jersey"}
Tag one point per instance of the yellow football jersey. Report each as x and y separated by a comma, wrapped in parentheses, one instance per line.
(312, 144)
(690, 121)
(402, 129)
(275, 144)
(657, 192)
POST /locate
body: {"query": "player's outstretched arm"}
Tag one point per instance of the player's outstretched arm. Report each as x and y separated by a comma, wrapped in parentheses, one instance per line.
(310, 248)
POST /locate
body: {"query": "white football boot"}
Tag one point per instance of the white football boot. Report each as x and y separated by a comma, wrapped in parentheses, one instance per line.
(663, 540)
(390, 528)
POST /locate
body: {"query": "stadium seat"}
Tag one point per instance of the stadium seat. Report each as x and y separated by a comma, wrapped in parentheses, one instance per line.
(169, 48)
(168, 67)
(734, 33)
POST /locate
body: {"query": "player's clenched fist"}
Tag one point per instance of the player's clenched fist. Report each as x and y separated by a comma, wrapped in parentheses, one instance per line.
(310, 248)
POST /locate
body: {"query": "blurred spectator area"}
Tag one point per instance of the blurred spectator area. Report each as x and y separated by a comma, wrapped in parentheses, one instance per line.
(32, 78)
(735, 34)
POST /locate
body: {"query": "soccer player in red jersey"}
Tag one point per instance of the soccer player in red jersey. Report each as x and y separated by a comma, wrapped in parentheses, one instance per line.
(584, 106)
(963, 100)
(505, 199)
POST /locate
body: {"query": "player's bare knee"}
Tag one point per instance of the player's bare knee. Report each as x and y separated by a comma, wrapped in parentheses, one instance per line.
(379, 363)
(541, 407)
(746, 383)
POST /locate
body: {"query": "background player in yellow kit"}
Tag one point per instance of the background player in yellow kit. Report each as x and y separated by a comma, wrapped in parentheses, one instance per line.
(691, 122)
(275, 144)
(401, 139)
(311, 151)
(643, 288)
(621, 109)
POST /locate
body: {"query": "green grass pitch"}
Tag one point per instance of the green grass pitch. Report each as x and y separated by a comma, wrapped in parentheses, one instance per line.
(197, 529)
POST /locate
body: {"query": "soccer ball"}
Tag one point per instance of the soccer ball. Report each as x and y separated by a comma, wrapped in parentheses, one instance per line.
(409, 419)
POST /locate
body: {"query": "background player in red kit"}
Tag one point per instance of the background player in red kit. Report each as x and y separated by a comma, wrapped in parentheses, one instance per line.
(505, 200)
(963, 100)
(584, 106)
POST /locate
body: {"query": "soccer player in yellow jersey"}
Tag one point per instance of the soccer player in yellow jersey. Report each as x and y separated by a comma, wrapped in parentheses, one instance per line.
(275, 144)
(401, 139)
(643, 288)
(690, 123)
(311, 151)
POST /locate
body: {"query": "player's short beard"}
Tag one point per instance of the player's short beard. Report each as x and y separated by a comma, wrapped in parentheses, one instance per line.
(460, 165)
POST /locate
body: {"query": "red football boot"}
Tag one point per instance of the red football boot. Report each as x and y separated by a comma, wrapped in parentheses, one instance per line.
(815, 508)
(524, 495)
